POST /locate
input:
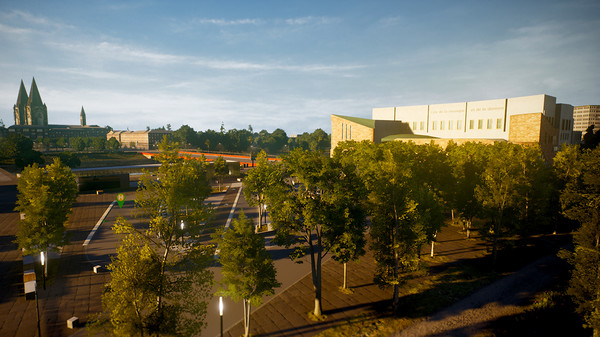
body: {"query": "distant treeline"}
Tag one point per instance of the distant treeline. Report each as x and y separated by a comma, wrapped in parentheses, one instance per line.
(246, 140)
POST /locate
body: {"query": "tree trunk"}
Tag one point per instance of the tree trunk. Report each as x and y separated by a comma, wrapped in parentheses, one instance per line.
(246, 317)
(468, 229)
(316, 276)
(46, 263)
(395, 297)
(345, 286)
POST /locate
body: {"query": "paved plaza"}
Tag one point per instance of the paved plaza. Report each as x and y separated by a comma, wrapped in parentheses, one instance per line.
(74, 290)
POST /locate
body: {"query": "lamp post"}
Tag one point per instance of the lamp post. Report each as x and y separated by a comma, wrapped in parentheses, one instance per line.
(37, 311)
(221, 313)
(182, 225)
(43, 268)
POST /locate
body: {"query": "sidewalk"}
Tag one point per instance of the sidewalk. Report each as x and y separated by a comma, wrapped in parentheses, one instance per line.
(286, 314)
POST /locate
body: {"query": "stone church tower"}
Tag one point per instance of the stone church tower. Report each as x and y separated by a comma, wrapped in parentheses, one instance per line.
(30, 110)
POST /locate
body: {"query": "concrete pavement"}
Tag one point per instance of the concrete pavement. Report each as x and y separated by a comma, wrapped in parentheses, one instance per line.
(74, 290)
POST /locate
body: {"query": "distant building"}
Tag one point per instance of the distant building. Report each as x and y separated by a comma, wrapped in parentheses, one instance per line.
(140, 140)
(524, 120)
(586, 115)
(31, 119)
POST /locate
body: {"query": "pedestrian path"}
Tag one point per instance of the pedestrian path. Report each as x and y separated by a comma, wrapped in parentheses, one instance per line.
(287, 313)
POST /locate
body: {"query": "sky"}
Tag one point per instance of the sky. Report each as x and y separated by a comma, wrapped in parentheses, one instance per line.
(289, 64)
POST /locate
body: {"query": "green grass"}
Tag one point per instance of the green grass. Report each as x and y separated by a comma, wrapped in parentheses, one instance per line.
(103, 159)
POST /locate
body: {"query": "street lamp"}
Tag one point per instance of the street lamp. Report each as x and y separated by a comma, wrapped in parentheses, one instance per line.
(43, 268)
(182, 232)
(221, 313)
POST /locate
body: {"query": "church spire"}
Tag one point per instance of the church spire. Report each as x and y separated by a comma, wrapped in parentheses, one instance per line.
(82, 117)
(34, 95)
(37, 112)
(20, 107)
(22, 98)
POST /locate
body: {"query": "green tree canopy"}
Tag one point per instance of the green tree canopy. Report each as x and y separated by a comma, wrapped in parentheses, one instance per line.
(258, 181)
(175, 193)
(580, 201)
(307, 207)
(220, 169)
(405, 208)
(247, 268)
(19, 149)
(46, 197)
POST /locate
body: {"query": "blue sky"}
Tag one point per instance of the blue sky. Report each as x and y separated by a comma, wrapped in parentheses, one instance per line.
(289, 64)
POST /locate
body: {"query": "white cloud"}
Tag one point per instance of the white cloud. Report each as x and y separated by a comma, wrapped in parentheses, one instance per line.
(25, 17)
(14, 32)
(310, 20)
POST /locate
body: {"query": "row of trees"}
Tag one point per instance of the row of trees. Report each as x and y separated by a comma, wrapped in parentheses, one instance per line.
(318, 204)
(246, 140)
(578, 173)
(160, 281)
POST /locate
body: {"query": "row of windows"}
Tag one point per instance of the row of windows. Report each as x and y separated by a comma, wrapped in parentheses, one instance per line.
(421, 125)
(489, 124)
(565, 124)
(457, 125)
(346, 131)
(449, 125)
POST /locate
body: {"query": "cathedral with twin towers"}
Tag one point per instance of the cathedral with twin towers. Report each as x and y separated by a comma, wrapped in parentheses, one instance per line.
(31, 119)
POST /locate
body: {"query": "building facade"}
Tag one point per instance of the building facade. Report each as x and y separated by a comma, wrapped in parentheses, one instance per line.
(585, 116)
(526, 120)
(31, 119)
(30, 109)
(141, 140)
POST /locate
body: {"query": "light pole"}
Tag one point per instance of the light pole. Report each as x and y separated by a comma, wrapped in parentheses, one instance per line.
(37, 311)
(43, 268)
(182, 232)
(221, 313)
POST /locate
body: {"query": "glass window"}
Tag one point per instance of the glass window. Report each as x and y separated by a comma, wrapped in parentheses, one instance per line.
(442, 125)
(414, 126)
(458, 125)
(471, 124)
(434, 125)
(422, 125)
(450, 125)
(489, 123)
(480, 124)
(499, 123)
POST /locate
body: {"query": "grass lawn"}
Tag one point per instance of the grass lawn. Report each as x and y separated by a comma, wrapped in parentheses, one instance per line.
(104, 159)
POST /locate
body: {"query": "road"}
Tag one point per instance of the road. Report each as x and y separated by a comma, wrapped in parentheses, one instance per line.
(104, 243)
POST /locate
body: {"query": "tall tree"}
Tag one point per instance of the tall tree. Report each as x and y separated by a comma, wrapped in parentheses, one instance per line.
(220, 169)
(258, 181)
(580, 201)
(247, 268)
(351, 216)
(467, 163)
(506, 188)
(182, 279)
(305, 211)
(131, 298)
(405, 209)
(46, 197)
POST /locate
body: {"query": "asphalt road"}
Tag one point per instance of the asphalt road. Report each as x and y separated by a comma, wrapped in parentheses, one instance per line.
(104, 242)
